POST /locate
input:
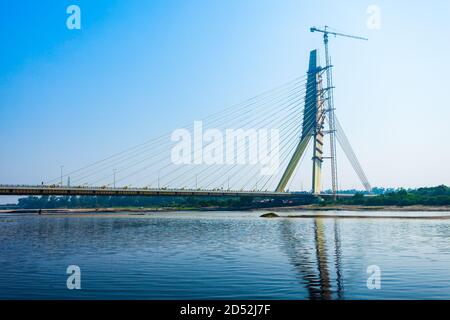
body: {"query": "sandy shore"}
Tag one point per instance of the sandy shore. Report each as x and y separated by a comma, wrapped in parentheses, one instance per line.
(88, 211)
(131, 211)
(282, 211)
(362, 208)
(403, 217)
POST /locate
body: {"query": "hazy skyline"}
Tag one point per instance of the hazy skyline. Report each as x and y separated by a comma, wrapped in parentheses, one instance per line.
(135, 70)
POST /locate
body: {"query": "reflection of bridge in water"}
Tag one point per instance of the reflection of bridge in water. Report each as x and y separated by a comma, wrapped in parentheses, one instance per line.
(311, 259)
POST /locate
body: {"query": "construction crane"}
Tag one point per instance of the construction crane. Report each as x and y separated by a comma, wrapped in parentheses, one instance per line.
(330, 101)
(326, 33)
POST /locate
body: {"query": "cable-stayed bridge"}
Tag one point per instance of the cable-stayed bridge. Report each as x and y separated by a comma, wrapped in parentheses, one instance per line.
(251, 149)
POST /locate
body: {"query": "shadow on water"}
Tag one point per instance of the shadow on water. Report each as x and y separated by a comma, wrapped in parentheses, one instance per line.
(308, 253)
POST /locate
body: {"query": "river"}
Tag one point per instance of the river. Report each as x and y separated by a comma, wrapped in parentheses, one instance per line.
(224, 255)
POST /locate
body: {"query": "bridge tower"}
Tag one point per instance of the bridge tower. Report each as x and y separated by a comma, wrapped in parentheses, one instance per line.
(313, 124)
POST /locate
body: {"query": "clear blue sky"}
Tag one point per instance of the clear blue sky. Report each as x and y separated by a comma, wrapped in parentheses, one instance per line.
(138, 68)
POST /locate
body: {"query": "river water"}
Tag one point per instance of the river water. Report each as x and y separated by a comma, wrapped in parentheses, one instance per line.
(224, 255)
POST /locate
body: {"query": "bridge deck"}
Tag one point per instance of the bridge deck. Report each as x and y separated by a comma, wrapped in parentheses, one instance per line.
(98, 191)
(11, 190)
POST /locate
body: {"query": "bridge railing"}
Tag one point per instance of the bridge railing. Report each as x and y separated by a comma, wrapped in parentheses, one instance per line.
(24, 186)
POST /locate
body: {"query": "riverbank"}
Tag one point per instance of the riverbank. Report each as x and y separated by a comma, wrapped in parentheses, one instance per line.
(314, 207)
(87, 211)
(128, 210)
(348, 208)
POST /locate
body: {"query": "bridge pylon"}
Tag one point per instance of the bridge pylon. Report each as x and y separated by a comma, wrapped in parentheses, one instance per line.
(312, 128)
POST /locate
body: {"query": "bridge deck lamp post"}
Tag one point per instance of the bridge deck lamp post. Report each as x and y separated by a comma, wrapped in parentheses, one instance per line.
(61, 167)
(158, 178)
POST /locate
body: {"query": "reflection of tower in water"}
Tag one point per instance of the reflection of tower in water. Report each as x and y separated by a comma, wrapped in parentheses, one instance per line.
(309, 256)
(337, 261)
(321, 256)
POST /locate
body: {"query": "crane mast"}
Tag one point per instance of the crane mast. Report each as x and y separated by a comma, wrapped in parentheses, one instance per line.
(330, 102)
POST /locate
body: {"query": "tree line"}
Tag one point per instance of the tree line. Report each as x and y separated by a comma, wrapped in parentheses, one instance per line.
(78, 202)
(433, 196)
